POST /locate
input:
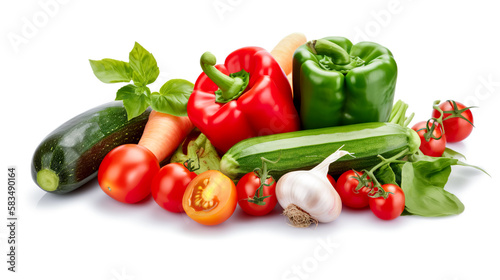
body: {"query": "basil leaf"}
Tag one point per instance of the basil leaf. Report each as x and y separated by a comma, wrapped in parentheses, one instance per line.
(397, 168)
(385, 175)
(423, 183)
(135, 103)
(432, 164)
(126, 92)
(173, 97)
(449, 153)
(144, 65)
(111, 71)
(473, 166)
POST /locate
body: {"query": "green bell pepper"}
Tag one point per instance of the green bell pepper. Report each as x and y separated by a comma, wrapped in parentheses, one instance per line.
(338, 83)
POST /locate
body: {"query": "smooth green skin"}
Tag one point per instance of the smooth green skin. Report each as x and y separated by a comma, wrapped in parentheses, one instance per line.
(70, 155)
(306, 148)
(326, 98)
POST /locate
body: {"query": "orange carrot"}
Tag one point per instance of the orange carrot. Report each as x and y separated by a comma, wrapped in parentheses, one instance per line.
(283, 52)
(290, 80)
(164, 133)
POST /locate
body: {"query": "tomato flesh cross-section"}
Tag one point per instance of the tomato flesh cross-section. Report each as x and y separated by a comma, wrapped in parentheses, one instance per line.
(210, 198)
(204, 196)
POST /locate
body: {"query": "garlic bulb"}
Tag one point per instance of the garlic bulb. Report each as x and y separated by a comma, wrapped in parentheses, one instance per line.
(307, 196)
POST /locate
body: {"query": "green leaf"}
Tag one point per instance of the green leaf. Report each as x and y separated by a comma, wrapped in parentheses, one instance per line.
(449, 153)
(397, 168)
(144, 65)
(172, 98)
(473, 166)
(385, 175)
(111, 71)
(126, 92)
(135, 103)
(423, 183)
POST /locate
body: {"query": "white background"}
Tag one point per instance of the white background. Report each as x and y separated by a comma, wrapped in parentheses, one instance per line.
(444, 50)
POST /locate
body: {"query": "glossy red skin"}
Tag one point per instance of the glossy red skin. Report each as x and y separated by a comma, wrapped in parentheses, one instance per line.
(391, 207)
(246, 188)
(169, 185)
(346, 185)
(455, 129)
(332, 181)
(266, 107)
(126, 173)
(433, 147)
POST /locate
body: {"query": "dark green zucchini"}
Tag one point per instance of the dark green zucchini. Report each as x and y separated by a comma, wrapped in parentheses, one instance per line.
(70, 155)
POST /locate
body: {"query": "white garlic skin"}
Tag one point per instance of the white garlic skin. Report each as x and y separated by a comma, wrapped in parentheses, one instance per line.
(310, 191)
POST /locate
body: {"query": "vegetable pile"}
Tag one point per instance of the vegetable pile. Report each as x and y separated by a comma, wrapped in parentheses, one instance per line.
(262, 129)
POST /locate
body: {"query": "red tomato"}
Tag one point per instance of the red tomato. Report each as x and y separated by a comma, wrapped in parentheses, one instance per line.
(126, 173)
(210, 198)
(455, 129)
(169, 185)
(332, 181)
(346, 188)
(391, 207)
(433, 147)
(246, 188)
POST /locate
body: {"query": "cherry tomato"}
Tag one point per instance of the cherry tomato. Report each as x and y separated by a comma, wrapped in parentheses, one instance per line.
(455, 129)
(332, 181)
(391, 207)
(246, 188)
(126, 173)
(169, 185)
(433, 147)
(346, 188)
(210, 198)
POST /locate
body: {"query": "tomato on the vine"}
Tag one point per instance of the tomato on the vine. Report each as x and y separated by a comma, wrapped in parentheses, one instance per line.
(436, 145)
(391, 207)
(250, 200)
(210, 198)
(169, 185)
(126, 173)
(456, 128)
(346, 188)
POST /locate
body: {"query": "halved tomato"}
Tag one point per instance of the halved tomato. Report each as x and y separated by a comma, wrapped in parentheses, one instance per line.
(210, 198)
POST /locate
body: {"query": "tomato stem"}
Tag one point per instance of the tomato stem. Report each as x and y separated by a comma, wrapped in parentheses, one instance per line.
(379, 191)
(190, 166)
(263, 174)
(455, 113)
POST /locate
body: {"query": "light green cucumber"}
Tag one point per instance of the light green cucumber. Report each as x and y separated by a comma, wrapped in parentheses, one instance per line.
(306, 148)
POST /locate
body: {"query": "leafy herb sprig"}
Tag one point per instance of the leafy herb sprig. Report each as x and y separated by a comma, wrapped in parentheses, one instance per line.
(143, 70)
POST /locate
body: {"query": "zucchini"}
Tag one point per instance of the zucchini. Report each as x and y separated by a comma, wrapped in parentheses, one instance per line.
(306, 148)
(70, 155)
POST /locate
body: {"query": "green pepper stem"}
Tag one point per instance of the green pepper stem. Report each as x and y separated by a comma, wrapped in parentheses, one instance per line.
(201, 155)
(324, 47)
(229, 86)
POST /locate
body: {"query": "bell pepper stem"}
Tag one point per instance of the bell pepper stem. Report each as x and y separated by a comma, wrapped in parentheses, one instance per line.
(324, 47)
(229, 86)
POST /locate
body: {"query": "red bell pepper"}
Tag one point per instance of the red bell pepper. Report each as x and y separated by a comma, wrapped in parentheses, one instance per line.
(248, 96)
